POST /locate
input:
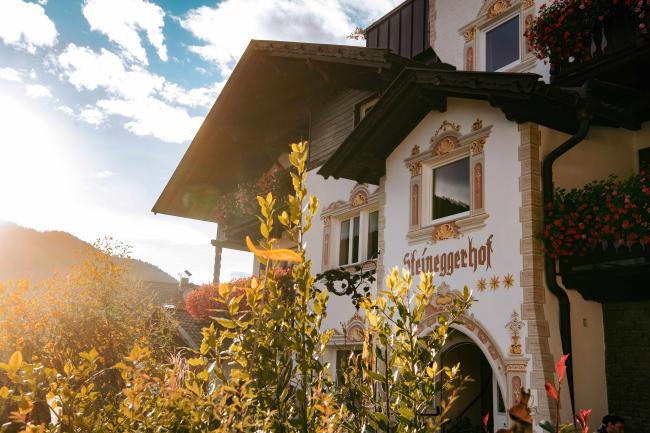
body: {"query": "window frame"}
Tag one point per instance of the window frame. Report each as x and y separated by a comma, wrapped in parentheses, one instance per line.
(364, 218)
(446, 146)
(427, 189)
(361, 109)
(483, 41)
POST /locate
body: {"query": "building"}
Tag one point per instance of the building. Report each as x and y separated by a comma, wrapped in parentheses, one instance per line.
(435, 147)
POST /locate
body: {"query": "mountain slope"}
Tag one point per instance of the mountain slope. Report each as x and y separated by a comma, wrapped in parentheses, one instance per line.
(30, 254)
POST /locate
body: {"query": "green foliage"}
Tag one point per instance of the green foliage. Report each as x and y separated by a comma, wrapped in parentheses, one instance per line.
(401, 381)
(259, 367)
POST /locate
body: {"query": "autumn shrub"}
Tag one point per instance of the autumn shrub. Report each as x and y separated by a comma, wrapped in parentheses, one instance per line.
(96, 308)
(259, 367)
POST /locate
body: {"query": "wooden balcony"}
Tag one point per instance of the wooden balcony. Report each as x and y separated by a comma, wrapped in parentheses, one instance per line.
(619, 54)
(610, 274)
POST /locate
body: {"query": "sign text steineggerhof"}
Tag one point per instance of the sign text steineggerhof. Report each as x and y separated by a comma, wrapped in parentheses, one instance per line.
(472, 257)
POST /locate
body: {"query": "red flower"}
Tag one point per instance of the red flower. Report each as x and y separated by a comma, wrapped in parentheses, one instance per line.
(550, 390)
(583, 420)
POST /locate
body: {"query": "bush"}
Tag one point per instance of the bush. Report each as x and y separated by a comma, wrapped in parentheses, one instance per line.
(259, 366)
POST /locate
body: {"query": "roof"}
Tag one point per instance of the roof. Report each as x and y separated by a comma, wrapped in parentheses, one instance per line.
(189, 329)
(522, 98)
(264, 106)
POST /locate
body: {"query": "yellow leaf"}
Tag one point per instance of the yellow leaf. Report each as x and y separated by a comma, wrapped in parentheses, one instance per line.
(16, 360)
(279, 255)
(4, 392)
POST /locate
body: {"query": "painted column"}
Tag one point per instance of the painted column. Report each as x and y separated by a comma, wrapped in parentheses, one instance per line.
(532, 276)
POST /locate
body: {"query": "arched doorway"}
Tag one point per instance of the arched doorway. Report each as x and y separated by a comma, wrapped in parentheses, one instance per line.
(479, 396)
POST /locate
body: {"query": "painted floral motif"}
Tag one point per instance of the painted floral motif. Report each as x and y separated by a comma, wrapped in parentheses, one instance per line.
(481, 285)
(508, 281)
(495, 283)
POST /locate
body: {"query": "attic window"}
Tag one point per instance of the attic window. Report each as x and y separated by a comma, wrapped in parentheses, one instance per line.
(363, 108)
(502, 45)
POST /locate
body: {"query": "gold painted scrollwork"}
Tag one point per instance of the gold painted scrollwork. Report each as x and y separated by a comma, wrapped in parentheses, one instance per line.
(498, 7)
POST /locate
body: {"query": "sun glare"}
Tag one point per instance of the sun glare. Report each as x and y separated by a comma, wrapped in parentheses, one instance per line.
(35, 164)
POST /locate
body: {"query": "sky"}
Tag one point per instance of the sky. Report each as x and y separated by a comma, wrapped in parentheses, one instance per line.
(99, 100)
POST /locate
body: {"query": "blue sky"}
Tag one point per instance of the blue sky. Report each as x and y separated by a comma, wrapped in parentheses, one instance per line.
(99, 100)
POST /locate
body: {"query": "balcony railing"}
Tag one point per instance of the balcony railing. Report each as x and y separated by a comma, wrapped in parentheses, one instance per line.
(600, 234)
(619, 54)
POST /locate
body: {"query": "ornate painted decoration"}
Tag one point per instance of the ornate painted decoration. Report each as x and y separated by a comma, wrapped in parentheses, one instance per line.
(444, 127)
(478, 186)
(478, 124)
(446, 231)
(498, 7)
(527, 23)
(469, 59)
(514, 326)
(481, 285)
(359, 199)
(495, 283)
(354, 329)
(416, 169)
(477, 146)
(528, 3)
(415, 150)
(469, 34)
(445, 146)
(415, 204)
(508, 281)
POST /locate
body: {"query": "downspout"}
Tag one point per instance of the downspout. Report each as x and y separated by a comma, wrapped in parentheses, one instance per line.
(585, 115)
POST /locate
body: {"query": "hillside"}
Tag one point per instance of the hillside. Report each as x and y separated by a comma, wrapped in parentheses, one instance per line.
(30, 254)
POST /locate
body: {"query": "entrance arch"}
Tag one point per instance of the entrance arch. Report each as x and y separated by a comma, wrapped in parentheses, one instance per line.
(479, 396)
(473, 343)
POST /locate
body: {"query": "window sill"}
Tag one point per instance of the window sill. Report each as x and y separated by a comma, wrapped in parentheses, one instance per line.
(448, 229)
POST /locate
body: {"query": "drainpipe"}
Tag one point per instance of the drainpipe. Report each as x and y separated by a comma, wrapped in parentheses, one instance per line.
(585, 115)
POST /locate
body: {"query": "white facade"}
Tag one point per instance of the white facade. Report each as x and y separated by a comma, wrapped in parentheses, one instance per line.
(457, 26)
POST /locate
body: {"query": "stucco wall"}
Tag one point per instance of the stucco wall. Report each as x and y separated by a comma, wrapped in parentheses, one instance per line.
(502, 200)
(340, 308)
(449, 16)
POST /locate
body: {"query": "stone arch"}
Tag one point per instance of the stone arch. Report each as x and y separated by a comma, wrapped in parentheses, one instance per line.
(476, 332)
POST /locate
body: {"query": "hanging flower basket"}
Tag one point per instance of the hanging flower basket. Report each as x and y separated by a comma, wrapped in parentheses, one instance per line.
(604, 215)
(241, 205)
(572, 32)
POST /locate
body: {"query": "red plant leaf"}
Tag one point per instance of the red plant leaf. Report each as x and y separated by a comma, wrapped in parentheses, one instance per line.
(550, 390)
(560, 367)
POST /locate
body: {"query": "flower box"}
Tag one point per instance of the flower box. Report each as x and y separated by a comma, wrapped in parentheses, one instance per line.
(240, 205)
(602, 219)
(572, 33)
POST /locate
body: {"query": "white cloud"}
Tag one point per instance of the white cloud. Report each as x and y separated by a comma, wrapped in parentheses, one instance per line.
(151, 116)
(105, 174)
(122, 20)
(151, 103)
(90, 70)
(92, 115)
(65, 109)
(198, 97)
(10, 74)
(37, 91)
(228, 27)
(25, 25)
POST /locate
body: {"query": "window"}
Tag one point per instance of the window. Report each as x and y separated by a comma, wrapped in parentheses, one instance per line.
(644, 158)
(502, 45)
(343, 359)
(363, 108)
(351, 229)
(450, 189)
(373, 235)
(351, 239)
